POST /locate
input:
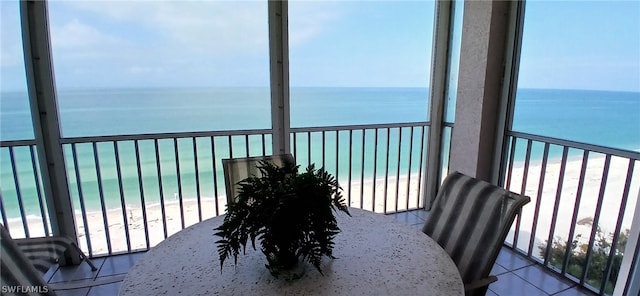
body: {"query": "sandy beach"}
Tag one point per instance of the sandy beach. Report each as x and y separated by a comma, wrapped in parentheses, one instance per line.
(192, 211)
(585, 205)
(374, 199)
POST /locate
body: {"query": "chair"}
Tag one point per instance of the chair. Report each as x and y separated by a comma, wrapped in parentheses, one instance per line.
(470, 220)
(43, 252)
(24, 261)
(238, 169)
(17, 271)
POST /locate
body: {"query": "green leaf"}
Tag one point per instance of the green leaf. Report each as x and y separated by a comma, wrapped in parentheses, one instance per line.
(286, 211)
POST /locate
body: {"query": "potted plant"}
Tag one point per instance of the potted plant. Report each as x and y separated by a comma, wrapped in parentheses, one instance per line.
(289, 213)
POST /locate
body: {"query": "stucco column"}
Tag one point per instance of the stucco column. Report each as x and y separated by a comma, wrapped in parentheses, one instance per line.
(279, 71)
(482, 59)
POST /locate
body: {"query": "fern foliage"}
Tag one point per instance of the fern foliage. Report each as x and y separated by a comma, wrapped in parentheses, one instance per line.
(290, 214)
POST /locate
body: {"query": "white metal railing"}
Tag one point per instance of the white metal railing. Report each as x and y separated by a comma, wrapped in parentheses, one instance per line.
(582, 204)
(132, 191)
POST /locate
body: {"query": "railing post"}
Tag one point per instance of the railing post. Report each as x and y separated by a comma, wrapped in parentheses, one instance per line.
(629, 275)
(44, 113)
(438, 87)
(279, 66)
(509, 88)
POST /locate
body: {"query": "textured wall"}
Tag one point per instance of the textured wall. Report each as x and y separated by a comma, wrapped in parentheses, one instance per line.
(479, 87)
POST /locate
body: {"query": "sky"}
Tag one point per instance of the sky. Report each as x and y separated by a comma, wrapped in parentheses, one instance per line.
(110, 44)
(581, 45)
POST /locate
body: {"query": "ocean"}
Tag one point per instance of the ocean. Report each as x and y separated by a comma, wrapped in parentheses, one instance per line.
(597, 117)
(605, 118)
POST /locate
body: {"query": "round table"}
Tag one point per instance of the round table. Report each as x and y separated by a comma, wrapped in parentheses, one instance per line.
(375, 255)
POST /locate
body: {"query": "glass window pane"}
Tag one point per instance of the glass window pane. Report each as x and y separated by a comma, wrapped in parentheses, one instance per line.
(579, 80)
(454, 62)
(359, 62)
(133, 67)
(579, 73)
(15, 116)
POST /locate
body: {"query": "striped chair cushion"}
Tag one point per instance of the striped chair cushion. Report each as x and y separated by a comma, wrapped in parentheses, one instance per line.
(44, 251)
(470, 219)
(17, 271)
(238, 169)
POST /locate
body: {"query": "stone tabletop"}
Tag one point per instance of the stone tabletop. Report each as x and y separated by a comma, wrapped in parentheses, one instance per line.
(375, 255)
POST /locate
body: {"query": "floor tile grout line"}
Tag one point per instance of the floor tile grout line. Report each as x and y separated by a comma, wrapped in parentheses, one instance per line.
(414, 214)
(53, 274)
(569, 288)
(97, 273)
(99, 269)
(528, 282)
(75, 268)
(522, 267)
(407, 217)
(533, 284)
(569, 283)
(551, 274)
(417, 216)
(505, 272)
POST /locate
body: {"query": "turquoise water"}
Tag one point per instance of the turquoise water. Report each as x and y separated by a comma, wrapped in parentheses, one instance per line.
(597, 117)
(142, 111)
(602, 118)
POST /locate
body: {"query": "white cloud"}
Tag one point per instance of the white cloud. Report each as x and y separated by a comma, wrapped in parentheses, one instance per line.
(77, 35)
(311, 19)
(197, 42)
(11, 40)
(223, 27)
(213, 26)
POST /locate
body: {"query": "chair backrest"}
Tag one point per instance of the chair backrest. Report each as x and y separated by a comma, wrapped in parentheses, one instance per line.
(43, 252)
(470, 219)
(19, 277)
(238, 169)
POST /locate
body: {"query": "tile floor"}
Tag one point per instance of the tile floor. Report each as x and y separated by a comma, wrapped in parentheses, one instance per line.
(516, 275)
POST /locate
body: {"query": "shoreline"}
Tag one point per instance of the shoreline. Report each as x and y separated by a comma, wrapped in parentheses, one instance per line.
(190, 213)
(567, 200)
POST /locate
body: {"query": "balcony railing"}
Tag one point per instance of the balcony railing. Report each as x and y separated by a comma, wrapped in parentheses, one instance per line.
(131, 192)
(21, 196)
(380, 166)
(582, 201)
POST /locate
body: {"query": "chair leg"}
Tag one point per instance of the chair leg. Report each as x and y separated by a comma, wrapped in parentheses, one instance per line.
(477, 292)
(84, 257)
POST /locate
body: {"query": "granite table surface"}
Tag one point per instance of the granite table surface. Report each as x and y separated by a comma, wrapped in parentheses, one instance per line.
(375, 255)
